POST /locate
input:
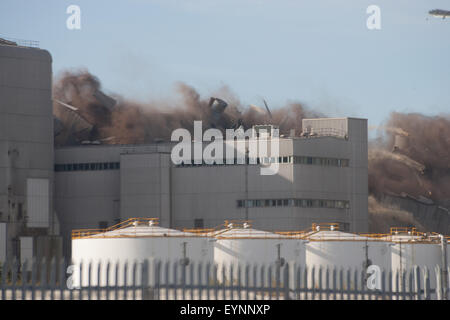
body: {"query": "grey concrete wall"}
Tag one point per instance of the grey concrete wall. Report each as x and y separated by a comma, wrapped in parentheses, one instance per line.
(26, 131)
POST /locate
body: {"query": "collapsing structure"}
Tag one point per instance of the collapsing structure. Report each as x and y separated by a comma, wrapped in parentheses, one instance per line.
(322, 176)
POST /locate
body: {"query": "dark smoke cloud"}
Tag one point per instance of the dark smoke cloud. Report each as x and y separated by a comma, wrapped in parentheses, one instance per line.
(425, 141)
(130, 122)
(420, 166)
(383, 216)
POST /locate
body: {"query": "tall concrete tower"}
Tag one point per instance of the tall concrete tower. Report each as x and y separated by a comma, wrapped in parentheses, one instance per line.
(26, 149)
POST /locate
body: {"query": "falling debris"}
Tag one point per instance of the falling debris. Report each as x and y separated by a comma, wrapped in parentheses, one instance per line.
(383, 216)
(419, 164)
(129, 122)
(411, 155)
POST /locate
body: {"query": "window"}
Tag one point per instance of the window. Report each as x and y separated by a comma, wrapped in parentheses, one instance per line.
(302, 203)
(87, 166)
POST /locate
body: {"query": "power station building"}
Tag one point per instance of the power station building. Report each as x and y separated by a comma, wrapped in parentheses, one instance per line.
(45, 193)
(322, 177)
(28, 225)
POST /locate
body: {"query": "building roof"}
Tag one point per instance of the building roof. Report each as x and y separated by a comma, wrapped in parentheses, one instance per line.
(245, 233)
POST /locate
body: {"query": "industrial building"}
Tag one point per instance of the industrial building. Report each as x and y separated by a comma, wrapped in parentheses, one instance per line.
(28, 225)
(322, 177)
(45, 193)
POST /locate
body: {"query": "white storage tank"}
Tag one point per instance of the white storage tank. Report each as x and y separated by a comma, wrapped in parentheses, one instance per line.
(411, 248)
(136, 239)
(239, 244)
(328, 247)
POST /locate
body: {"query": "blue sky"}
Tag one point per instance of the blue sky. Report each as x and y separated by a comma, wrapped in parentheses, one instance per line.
(316, 52)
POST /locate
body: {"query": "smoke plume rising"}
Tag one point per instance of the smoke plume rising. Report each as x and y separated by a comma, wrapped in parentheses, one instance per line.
(130, 122)
(416, 162)
(411, 154)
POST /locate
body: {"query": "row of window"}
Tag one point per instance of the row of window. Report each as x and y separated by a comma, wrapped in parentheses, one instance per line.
(265, 160)
(286, 159)
(304, 203)
(87, 166)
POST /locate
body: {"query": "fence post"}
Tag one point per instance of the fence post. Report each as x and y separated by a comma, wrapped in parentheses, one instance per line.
(216, 281)
(191, 279)
(239, 278)
(255, 280)
(383, 284)
(144, 280)
(269, 281)
(89, 280)
(43, 279)
(426, 284)
(108, 267)
(3, 283)
(52, 278)
(208, 282)
(417, 283)
(439, 294)
(99, 282)
(247, 281)
(24, 279)
(320, 288)
(334, 275)
(444, 275)
(327, 282)
(364, 295)
(403, 284)
(33, 278)
(313, 282)
(14, 278)
(286, 281)
(411, 285)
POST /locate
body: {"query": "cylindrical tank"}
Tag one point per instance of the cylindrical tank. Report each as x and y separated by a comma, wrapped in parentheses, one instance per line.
(247, 247)
(335, 249)
(408, 252)
(136, 243)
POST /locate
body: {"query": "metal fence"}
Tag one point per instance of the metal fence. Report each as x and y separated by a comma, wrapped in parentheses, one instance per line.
(156, 280)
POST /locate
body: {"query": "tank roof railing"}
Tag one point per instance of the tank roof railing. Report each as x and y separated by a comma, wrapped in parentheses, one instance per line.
(227, 225)
(20, 42)
(296, 234)
(324, 132)
(81, 233)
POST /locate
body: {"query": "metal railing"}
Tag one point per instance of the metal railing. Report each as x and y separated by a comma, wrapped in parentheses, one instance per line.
(21, 42)
(89, 233)
(156, 280)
